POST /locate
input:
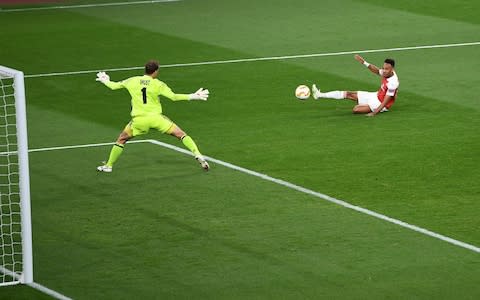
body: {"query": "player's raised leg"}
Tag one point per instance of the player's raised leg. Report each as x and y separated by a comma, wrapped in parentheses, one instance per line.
(189, 144)
(360, 108)
(339, 95)
(117, 150)
(317, 94)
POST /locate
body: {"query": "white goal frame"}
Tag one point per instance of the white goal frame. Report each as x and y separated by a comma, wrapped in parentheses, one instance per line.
(26, 276)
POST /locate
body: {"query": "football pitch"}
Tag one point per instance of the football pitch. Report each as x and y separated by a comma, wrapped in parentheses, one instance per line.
(304, 200)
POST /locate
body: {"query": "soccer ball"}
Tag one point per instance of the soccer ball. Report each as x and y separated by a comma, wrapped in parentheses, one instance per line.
(302, 92)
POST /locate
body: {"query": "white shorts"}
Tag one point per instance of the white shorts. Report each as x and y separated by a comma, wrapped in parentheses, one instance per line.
(370, 99)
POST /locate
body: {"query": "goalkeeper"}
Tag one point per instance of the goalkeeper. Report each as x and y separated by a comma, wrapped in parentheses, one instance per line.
(147, 111)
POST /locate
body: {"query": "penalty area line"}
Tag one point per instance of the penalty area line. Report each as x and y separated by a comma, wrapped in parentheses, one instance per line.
(293, 187)
(328, 198)
(255, 59)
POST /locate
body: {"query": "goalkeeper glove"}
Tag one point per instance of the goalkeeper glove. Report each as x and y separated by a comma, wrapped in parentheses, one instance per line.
(201, 94)
(102, 77)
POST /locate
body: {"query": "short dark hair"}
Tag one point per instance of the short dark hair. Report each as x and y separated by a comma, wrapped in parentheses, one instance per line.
(151, 66)
(390, 61)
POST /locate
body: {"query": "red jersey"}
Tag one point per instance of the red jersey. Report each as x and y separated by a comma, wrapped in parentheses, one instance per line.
(389, 87)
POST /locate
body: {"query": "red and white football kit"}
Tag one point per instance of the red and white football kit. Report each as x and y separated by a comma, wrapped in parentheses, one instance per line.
(389, 87)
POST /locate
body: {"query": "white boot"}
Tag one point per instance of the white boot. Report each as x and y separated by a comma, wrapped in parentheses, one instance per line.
(201, 160)
(316, 92)
(104, 168)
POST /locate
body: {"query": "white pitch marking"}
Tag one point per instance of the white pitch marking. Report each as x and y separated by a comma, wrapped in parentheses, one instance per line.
(34, 285)
(48, 291)
(72, 147)
(84, 5)
(83, 146)
(254, 59)
(293, 187)
(328, 198)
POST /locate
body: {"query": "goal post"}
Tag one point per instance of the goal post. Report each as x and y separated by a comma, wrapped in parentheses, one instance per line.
(16, 258)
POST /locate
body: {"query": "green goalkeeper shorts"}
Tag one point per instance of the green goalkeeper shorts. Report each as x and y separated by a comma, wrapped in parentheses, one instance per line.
(142, 124)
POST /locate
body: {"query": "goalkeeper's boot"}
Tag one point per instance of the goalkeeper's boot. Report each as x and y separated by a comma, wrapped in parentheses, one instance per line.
(201, 160)
(105, 168)
(315, 92)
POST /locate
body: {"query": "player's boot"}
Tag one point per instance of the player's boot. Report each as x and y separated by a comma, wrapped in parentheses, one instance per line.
(105, 168)
(315, 92)
(201, 160)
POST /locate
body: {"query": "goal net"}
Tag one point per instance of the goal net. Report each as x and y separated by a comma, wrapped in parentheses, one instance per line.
(15, 223)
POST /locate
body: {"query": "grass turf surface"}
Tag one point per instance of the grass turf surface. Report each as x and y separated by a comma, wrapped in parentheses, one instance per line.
(159, 227)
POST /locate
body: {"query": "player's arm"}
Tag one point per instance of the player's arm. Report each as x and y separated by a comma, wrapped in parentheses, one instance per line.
(167, 92)
(105, 79)
(391, 90)
(374, 69)
(201, 94)
(382, 105)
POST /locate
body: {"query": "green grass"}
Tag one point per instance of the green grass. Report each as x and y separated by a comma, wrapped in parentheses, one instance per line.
(160, 228)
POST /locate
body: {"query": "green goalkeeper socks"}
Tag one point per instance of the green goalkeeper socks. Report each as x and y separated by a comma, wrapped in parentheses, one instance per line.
(117, 150)
(190, 144)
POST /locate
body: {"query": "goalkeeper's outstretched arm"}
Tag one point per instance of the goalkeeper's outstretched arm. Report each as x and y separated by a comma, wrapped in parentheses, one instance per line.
(200, 94)
(105, 79)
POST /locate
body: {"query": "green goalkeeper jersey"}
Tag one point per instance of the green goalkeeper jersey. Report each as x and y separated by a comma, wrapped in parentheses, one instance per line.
(146, 92)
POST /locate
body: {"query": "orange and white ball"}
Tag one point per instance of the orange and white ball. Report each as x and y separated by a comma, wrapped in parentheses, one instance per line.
(302, 92)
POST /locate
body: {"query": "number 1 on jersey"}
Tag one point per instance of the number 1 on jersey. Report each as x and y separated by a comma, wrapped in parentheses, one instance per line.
(144, 94)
